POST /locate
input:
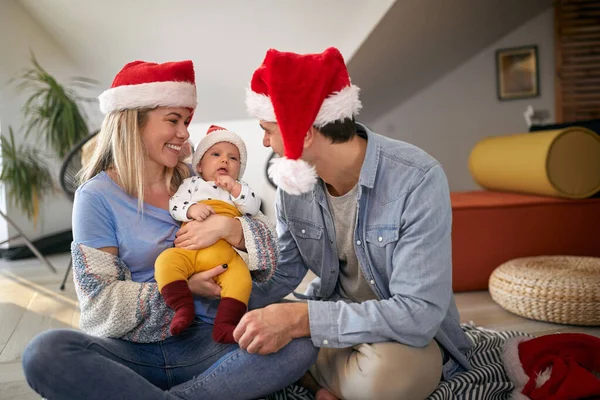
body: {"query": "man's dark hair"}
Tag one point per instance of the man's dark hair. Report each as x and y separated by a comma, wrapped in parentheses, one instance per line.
(339, 131)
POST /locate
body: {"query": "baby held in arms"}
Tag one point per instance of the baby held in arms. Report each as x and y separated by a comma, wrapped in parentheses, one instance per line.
(219, 160)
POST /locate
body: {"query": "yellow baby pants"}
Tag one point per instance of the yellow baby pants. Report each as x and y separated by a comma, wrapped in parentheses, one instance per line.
(176, 264)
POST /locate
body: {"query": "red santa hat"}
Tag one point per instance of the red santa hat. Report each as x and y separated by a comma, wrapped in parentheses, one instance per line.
(300, 91)
(214, 135)
(142, 84)
(554, 367)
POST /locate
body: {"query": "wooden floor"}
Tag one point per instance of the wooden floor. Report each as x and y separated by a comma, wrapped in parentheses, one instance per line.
(31, 302)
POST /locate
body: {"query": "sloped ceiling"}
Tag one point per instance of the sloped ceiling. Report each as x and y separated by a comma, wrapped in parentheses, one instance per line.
(394, 49)
(418, 42)
(226, 39)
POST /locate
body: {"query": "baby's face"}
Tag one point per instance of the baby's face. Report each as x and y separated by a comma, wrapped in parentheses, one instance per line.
(221, 159)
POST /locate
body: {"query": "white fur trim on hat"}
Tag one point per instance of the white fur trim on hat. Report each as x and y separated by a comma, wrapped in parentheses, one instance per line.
(514, 368)
(219, 136)
(339, 106)
(293, 176)
(148, 95)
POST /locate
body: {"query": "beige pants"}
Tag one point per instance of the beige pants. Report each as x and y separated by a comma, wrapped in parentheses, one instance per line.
(379, 371)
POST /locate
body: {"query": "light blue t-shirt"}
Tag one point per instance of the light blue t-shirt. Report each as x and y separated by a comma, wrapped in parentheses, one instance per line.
(104, 215)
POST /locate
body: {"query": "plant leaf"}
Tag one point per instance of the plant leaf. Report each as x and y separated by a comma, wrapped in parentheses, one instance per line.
(52, 111)
(25, 174)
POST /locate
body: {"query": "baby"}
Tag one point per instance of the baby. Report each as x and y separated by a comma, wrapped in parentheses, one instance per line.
(220, 160)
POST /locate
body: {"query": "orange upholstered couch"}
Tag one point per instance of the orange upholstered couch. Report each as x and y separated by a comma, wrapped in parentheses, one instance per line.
(490, 228)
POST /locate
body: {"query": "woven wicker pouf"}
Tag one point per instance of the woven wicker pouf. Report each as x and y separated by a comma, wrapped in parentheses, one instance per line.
(562, 289)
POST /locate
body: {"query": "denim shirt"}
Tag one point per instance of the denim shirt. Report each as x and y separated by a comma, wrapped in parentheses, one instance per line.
(403, 244)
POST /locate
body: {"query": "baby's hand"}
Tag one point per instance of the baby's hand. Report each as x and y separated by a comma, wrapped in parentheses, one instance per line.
(229, 184)
(199, 211)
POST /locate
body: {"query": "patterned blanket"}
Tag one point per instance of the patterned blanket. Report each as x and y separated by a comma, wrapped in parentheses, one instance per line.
(486, 381)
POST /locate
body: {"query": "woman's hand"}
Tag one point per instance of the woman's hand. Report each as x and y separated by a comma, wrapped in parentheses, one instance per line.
(201, 234)
(203, 284)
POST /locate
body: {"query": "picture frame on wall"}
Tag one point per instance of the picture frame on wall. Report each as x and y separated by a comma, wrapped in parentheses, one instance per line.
(517, 73)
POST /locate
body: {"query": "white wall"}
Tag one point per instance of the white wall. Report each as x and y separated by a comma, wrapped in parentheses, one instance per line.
(252, 134)
(18, 35)
(449, 117)
(226, 39)
(72, 38)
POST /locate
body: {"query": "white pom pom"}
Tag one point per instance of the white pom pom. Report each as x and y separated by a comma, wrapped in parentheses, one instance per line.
(543, 377)
(293, 176)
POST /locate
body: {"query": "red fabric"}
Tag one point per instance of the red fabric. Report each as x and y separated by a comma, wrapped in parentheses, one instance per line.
(229, 314)
(138, 72)
(213, 128)
(178, 296)
(573, 359)
(297, 85)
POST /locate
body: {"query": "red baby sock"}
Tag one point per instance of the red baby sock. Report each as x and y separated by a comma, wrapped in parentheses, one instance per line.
(229, 313)
(178, 296)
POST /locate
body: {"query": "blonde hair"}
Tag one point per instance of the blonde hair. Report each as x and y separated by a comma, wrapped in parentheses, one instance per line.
(119, 147)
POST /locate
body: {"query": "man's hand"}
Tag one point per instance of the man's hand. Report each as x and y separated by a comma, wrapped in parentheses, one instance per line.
(199, 211)
(269, 329)
(228, 183)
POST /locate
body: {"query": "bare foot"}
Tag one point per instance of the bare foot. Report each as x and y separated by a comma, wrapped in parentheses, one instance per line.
(324, 394)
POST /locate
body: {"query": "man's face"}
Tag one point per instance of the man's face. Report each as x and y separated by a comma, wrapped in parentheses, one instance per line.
(272, 137)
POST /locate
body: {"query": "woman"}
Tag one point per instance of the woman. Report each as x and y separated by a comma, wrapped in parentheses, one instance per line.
(121, 223)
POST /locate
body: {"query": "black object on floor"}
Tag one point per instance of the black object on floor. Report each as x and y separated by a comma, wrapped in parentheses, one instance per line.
(56, 243)
(591, 124)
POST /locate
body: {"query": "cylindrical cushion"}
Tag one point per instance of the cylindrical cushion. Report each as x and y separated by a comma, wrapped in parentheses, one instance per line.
(562, 163)
(562, 289)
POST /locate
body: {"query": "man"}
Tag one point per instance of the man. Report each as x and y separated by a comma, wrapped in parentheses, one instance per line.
(371, 217)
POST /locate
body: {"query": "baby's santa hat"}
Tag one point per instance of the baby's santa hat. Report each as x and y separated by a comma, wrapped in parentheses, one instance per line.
(554, 367)
(214, 135)
(299, 91)
(142, 84)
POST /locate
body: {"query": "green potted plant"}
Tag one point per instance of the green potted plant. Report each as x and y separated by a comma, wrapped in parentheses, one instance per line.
(52, 112)
(52, 109)
(25, 174)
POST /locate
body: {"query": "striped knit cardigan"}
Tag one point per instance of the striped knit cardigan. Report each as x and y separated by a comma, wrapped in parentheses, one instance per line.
(112, 305)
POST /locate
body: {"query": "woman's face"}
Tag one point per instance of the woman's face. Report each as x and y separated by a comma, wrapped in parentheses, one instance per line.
(164, 134)
(222, 158)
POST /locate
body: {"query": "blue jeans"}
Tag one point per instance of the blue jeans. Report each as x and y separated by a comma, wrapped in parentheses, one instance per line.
(68, 364)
